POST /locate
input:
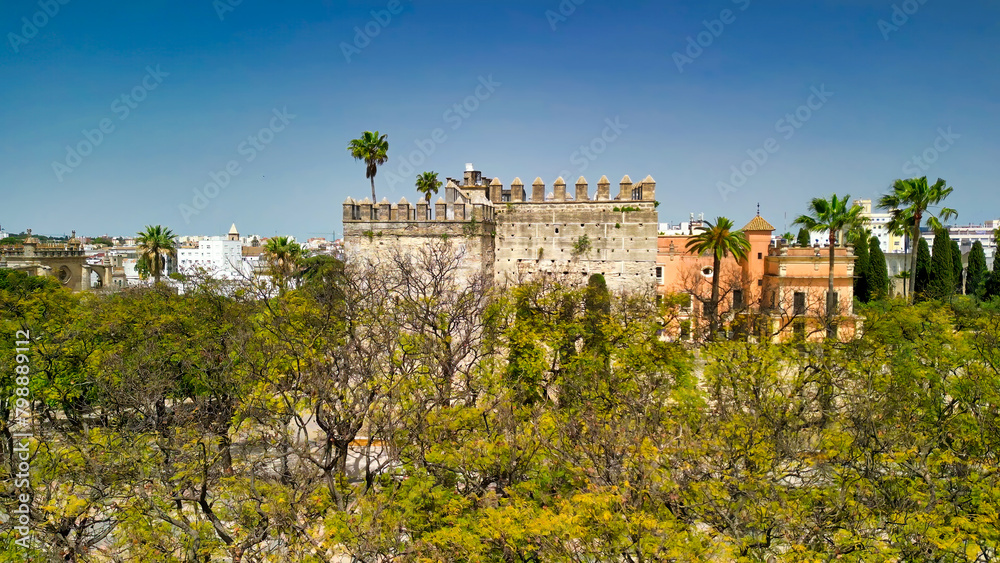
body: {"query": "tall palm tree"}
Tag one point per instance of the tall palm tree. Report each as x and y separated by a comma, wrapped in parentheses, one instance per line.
(428, 184)
(721, 240)
(859, 233)
(834, 216)
(282, 254)
(155, 243)
(908, 202)
(373, 149)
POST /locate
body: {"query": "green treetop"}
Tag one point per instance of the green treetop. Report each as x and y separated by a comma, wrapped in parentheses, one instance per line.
(879, 269)
(942, 281)
(957, 268)
(862, 272)
(923, 273)
(977, 272)
(803, 238)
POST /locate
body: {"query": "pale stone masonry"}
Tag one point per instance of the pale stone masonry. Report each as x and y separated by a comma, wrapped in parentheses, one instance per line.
(515, 235)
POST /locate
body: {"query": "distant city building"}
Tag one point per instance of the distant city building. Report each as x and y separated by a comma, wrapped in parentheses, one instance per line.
(879, 223)
(218, 257)
(968, 235)
(317, 244)
(689, 227)
(66, 261)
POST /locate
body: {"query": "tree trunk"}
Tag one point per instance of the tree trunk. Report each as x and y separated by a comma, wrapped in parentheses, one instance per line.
(713, 320)
(829, 291)
(225, 449)
(374, 201)
(917, 217)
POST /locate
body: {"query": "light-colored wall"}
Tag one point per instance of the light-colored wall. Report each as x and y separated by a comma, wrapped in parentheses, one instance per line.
(542, 239)
(521, 240)
(378, 240)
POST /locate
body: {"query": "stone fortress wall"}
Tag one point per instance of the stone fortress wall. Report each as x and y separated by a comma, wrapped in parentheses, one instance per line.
(514, 235)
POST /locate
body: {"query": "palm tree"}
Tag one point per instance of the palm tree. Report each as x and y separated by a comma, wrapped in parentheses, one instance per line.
(721, 240)
(282, 254)
(909, 201)
(428, 184)
(155, 244)
(859, 233)
(834, 216)
(373, 149)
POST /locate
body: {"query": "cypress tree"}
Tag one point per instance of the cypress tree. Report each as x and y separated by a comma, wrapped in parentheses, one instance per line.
(803, 238)
(942, 281)
(975, 276)
(923, 267)
(957, 268)
(862, 273)
(879, 270)
(993, 280)
(597, 307)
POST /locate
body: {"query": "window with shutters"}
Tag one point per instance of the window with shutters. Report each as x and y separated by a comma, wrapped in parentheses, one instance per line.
(800, 303)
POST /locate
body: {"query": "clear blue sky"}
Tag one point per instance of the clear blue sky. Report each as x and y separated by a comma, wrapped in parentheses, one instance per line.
(217, 81)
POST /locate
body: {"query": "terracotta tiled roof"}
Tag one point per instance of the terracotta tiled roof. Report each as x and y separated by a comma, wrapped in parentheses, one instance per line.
(758, 224)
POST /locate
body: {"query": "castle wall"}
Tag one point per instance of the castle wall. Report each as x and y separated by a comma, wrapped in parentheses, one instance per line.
(563, 237)
(396, 229)
(550, 239)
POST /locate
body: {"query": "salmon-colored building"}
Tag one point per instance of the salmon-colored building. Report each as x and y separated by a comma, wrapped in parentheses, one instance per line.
(778, 292)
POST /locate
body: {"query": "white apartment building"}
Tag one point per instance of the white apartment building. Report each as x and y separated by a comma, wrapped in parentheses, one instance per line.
(878, 223)
(968, 235)
(219, 257)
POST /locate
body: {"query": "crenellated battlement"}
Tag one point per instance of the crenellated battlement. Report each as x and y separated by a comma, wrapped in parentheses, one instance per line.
(517, 232)
(477, 199)
(365, 211)
(644, 191)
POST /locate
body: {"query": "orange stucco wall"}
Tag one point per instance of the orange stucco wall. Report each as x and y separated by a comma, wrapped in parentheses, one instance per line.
(769, 278)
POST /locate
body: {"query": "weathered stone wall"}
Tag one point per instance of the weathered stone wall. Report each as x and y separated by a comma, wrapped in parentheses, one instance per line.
(550, 239)
(564, 237)
(376, 240)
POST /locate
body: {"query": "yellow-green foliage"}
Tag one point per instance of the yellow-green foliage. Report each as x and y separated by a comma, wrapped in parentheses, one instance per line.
(396, 420)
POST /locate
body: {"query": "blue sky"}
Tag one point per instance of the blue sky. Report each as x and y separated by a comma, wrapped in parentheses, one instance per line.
(557, 74)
